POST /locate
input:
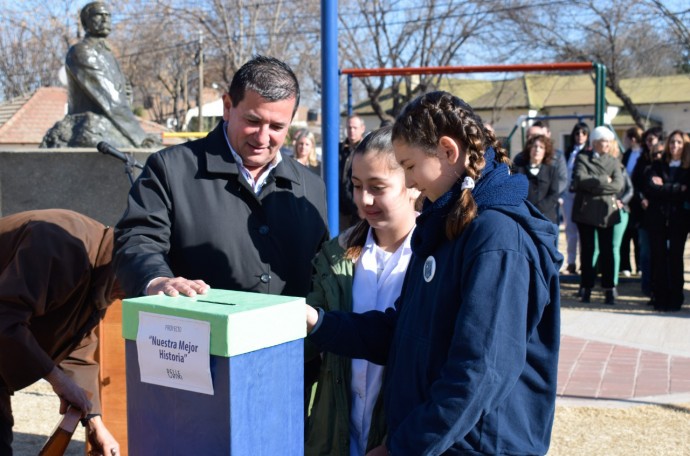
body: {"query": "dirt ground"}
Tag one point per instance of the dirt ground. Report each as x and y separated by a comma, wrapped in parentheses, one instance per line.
(35, 416)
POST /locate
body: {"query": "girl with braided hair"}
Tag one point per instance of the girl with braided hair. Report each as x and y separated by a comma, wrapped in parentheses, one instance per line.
(471, 347)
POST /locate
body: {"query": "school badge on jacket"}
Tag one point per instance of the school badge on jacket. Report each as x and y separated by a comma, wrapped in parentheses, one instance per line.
(429, 268)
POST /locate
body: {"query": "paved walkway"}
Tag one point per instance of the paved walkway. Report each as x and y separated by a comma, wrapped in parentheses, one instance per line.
(623, 355)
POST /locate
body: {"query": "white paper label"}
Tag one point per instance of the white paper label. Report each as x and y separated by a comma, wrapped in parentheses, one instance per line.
(174, 352)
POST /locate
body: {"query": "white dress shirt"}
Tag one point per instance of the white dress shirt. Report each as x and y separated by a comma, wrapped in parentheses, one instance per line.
(377, 283)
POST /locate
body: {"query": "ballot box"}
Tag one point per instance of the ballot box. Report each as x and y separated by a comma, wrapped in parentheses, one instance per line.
(217, 374)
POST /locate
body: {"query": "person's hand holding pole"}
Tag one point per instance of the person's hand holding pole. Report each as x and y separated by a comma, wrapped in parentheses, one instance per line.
(68, 391)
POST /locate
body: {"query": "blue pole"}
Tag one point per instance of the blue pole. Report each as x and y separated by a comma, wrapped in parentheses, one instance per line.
(330, 101)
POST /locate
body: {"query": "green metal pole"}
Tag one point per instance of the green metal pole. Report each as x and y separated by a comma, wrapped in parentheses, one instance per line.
(600, 94)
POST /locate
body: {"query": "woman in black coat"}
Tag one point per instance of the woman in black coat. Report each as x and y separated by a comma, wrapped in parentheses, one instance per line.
(536, 162)
(639, 203)
(666, 219)
(597, 180)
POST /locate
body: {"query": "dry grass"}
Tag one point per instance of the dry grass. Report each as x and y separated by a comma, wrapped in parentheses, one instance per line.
(658, 430)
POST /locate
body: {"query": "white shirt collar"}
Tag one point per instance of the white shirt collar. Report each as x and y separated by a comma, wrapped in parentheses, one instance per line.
(259, 183)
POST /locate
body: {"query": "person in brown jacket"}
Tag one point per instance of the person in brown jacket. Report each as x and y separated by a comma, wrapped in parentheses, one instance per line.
(56, 282)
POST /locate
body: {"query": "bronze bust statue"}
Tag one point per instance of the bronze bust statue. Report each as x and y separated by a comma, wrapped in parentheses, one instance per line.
(99, 105)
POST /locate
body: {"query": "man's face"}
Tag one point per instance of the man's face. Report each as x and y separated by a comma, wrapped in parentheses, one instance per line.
(257, 128)
(98, 24)
(536, 131)
(355, 130)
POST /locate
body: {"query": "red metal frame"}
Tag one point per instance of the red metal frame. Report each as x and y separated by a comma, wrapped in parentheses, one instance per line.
(566, 66)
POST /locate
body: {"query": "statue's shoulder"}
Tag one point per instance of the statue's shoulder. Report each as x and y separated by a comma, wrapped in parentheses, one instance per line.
(81, 50)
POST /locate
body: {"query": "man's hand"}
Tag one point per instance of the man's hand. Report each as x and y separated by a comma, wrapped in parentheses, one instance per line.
(175, 286)
(69, 392)
(102, 441)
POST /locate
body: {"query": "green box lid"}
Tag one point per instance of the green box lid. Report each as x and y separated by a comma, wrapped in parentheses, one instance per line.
(241, 322)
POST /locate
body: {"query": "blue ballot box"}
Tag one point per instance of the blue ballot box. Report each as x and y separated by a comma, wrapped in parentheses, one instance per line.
(217, 374)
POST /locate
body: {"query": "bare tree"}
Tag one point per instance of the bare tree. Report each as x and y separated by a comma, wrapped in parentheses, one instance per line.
(157, 55)
(400, 33)
(679, 22)
(34, 37)
(618, 34)
(234, 30)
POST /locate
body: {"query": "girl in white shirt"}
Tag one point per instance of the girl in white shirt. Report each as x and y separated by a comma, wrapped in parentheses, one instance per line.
(361, 270)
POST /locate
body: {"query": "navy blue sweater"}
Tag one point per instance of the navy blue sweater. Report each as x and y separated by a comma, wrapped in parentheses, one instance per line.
(472, 346)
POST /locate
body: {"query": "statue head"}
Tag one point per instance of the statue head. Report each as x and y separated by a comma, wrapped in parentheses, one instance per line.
(95, 18)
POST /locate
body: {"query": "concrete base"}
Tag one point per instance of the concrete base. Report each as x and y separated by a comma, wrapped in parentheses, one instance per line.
(82, 180)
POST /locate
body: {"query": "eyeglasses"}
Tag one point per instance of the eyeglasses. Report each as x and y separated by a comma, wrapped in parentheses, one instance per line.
(581, 133)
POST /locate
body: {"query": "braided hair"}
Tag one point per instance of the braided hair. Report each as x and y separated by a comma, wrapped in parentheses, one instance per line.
(426, 119)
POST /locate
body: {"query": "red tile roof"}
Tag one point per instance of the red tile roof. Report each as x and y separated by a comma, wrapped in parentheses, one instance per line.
(25, 120)
(32, 119)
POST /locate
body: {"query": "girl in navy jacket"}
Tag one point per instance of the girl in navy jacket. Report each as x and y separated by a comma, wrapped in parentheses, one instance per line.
(471, 348)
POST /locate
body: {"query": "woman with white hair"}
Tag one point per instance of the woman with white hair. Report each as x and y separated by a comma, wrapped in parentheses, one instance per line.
(596, 181)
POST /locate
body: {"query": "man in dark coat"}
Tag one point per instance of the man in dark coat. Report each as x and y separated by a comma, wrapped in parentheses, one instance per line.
(227, 211)
(355, 133)
(56, 282)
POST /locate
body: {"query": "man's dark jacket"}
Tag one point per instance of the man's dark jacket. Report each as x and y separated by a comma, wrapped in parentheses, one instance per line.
(192, 214)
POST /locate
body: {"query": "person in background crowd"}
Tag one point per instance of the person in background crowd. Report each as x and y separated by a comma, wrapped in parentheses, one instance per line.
(471, 346)
(597, 180)
(355, 133)
(633, 144)
(56, 282)
(666, 220)
(361, 270)
(622, 200)
(305, 150)
(558, 161)
(536, 162)
(650, 139)
(579, 138)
